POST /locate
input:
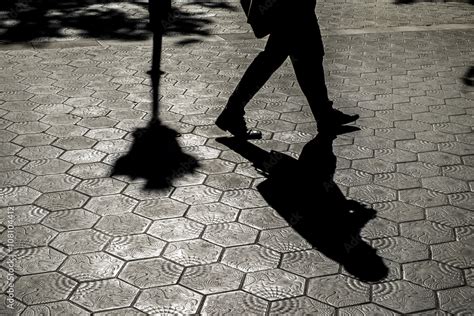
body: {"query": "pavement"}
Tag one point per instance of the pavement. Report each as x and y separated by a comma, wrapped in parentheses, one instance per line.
(81, 240)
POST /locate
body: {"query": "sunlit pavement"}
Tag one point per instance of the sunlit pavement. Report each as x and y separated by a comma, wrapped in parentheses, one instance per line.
(86, 242)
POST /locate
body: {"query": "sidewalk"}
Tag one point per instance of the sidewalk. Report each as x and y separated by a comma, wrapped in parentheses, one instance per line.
(87, 242)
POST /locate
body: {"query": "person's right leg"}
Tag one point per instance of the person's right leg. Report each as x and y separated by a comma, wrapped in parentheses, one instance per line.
(307, 57)
(256, 75)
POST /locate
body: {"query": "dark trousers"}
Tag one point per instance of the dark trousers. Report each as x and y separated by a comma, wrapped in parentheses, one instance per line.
(302, 42)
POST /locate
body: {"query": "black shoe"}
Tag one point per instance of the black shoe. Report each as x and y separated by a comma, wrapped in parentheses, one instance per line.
(234, 123)
(335, 119)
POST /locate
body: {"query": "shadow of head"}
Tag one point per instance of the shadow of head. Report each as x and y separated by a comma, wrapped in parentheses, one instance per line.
(155, 156)
(303, 192)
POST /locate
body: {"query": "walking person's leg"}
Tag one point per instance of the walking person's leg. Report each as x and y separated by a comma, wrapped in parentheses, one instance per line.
(256, 75)
(307, 58)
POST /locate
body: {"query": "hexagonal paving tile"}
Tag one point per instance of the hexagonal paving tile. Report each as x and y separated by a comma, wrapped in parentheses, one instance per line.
(379, 228)
(373, 166)
(57, 308)
(395, 155)
(457, 254)
(12, 196)
(445, 185)
(74, 142)
(82, 156)
(11, 163)
(212, 213)
(40, 152)
(230, 234)
(464, 200)
(351, 177)
(43, 288)
(197, 194)
(422, 197)
(24, 215)
(151, 272)
(47, 166)
(418, 169)
(262, 218)
(70, 220)
(245, 198)
(251, 258)
(36, 260)
(338, 290)
(63, 200)
(161, 208)
(283, 240)
(215, 166)
(457, 301)
(427, 232)
(397, 181)
(173, 299)
(104, 294)
(212, 278)
(401, 249)
(403, 296)
(353, 152)
(175, 229)
(450, 216)
(135, 247)
(432, 275)
(111, 204)
(15, 178)
(461, 172)
(123, 224)
(439, 158)
(52, 183)
(300, 305)
(91, 266)
(274, 284)
(372, 193)
(28, 236)
(397, 211)
(101, 186)
(28, 127)
(228, 181)
(309, 263)
(237, 302)
(192, 252)
(122, 311)
(7, 306)
(366, 309)
(81, 241)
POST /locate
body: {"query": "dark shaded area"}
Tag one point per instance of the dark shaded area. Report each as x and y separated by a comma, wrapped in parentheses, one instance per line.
(156, 157)
(26, 20)
(155, 154)
(468, 78)
(304, 193)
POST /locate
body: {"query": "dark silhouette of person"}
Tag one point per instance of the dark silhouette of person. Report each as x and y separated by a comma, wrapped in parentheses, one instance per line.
(294, 32)
(303, 192)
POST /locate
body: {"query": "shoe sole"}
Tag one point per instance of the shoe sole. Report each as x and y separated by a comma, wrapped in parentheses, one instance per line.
(245, 136)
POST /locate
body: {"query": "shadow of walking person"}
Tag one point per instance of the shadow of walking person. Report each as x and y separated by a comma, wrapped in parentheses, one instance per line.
(303, 192)
(156, 157)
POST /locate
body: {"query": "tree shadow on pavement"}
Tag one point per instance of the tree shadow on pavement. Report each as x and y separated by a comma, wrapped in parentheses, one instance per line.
(156, 157)
(27, 20)
(304, 193)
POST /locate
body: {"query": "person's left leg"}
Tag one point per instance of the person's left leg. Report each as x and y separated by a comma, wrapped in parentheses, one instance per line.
(260, 70)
